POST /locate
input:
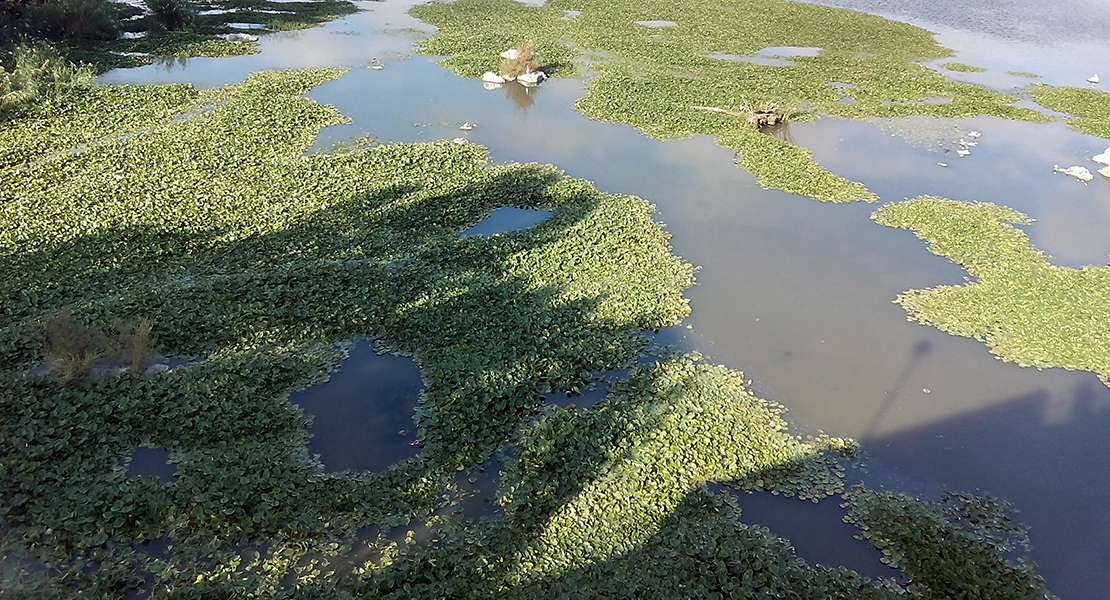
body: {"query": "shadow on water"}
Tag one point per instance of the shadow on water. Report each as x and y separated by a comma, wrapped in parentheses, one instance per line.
(362, 417)
(1061, 439)
(508, 218)
(816, 532)
(151, 462)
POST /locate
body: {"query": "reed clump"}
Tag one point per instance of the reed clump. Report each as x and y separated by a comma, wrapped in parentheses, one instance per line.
(521, 60)
(72, 349)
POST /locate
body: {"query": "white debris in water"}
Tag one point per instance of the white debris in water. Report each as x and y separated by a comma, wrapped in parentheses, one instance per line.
(974, 134)
(967, 144)
(532, 78)
(1080, 173)
(962, 152)
(1105, 172)
(239, 37)
(1103, 158)
(942, 164)
(460, 140)
(1093, 78)
(466, 126)
(491, 77)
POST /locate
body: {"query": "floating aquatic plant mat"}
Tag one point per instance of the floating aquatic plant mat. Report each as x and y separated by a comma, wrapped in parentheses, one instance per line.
(1091, 107)
(1026, 310)
(197, 215)
(655, 77)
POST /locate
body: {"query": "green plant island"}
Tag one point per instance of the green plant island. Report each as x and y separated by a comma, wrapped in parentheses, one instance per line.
(193, 220)
(1025, 309)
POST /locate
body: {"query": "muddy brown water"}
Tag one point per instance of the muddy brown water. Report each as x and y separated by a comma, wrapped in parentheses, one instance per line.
(796, 293)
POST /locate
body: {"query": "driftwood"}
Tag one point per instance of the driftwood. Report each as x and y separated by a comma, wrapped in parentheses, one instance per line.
(767, 114)
(720, 111)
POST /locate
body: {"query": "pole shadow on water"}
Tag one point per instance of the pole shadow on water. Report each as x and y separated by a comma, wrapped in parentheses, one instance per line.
(1060, 443)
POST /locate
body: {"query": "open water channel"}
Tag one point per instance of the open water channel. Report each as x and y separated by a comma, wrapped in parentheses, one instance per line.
(794, 292)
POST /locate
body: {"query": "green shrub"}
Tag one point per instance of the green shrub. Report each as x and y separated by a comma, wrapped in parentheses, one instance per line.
(72, 19)
(35, 73)
(172, 15)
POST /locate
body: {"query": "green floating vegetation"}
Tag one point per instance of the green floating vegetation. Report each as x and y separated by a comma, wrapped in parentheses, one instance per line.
(1026, 310)
(194, 218)
(654, 78)
(1091, 107)
(954, 549)
(962, 68)
(1024, 74)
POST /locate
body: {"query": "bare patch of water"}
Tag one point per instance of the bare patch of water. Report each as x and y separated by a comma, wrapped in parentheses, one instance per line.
(153, 462)
(362, 418)
(508, 218)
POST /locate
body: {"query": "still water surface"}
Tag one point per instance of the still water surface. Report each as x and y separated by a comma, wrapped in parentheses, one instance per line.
(797, 293)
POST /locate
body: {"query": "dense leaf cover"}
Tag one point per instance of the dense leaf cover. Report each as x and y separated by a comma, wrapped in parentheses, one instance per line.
(199, 211)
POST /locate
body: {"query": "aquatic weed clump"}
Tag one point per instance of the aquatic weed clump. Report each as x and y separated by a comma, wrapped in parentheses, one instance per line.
(1026, 310)
(953, 549)
(1090, 107)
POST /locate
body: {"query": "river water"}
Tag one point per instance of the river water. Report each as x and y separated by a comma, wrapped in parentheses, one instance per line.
(796, 293)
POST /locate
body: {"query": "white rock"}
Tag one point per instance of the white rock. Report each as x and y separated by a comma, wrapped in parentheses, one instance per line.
(1093, 79)
(491, 77)
(461, 141)
(1103, 158)
(509, 54)
(1080, 173)
(1105, 172)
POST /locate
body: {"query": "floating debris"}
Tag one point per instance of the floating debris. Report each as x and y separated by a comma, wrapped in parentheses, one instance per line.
(532, 78)
(1103, 158)
(1093, 78)
(466, 126)
(962, 152)
(460, 140)
(942, 164)
(967, 144)
(239, 37)
(376, 64)
(1080, 173)
(974, 134)
(491, 77)
(1105, 172)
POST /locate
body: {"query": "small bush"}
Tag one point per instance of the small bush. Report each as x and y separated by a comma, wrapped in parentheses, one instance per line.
(524, 62)
(36, 73)
(172, 15)
(70, 349)
(73, 19)
(134, 344)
